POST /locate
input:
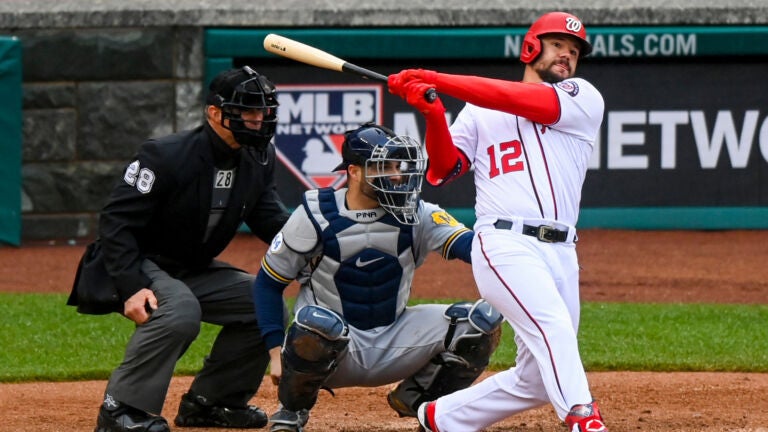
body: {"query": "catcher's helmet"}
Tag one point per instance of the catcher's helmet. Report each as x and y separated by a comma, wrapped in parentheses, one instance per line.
(238, 90)
(377, 149)
(553, 22)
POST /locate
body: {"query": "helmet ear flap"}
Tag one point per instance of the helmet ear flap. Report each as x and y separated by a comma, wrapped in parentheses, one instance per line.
(530, 49)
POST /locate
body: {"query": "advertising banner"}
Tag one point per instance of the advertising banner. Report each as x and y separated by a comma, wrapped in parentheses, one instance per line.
(684, 139)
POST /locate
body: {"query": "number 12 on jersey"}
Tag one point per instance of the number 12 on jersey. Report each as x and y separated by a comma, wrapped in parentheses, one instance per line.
(507, 159)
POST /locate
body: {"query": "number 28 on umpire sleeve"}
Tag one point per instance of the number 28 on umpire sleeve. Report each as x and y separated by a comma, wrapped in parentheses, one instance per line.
(506, 159)
(141, 178)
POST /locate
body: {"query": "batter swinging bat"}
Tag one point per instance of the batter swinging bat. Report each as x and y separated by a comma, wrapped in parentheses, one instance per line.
(306, 54)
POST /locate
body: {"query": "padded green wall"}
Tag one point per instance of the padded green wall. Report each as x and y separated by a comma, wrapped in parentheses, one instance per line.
(10, 140)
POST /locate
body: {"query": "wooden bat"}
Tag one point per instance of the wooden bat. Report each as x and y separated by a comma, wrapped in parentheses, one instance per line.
(306, 54)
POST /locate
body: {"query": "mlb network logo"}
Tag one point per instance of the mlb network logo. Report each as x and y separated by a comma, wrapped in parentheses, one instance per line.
(311, 125)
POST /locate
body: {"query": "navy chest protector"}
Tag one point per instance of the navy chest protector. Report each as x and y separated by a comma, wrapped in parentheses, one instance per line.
(369, 281)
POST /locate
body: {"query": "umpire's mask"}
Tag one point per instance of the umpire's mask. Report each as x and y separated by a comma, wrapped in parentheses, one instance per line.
(248, 103)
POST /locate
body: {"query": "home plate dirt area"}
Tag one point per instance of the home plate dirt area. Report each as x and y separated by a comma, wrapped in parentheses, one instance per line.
(617, 266)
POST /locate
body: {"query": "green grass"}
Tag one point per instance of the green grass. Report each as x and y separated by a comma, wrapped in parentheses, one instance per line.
(43, 340)
(675, 337)
(665, 337)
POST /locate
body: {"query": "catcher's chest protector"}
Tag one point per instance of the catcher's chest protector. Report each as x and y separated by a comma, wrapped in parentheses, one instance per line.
(366, 269)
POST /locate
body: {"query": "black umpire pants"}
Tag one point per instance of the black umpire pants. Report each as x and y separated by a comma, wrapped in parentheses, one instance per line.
(234, 369)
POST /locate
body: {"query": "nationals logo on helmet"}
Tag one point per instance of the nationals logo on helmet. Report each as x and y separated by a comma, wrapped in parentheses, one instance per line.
(572, 24)
(311, 125)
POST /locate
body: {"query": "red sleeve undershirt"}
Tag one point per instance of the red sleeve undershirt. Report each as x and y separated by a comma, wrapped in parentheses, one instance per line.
(446, 162)
(535, 101)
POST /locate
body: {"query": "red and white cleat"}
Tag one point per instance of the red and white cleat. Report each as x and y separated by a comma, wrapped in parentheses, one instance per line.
(426, 416)
(585, 418)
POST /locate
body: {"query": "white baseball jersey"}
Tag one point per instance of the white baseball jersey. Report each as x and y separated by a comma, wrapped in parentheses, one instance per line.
(526, 169)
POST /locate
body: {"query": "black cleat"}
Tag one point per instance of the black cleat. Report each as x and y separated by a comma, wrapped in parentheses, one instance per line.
(288, 421)
(196, 411)
(117, 417)
(400, 406)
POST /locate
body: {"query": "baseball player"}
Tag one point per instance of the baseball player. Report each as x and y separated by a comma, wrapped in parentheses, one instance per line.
(529, 143)
(177, 206)
(354, 252)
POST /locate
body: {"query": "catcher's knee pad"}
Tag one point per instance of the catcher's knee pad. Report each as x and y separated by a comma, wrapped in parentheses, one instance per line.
(477, 343)
(468, 350)
(312, 346)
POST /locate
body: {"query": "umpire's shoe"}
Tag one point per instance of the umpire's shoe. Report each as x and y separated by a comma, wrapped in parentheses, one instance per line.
(197, 411)
(117, 417)
(288, 421)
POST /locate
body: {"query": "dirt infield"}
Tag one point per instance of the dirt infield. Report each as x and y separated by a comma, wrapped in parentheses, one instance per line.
(617, 266)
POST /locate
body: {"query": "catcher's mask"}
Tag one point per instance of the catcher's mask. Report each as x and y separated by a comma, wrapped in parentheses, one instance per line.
(248, 102)
(553, 22)
(393, 165)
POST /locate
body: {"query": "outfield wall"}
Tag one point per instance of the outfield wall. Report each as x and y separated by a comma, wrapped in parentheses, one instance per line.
(10, 140)
(683, 144)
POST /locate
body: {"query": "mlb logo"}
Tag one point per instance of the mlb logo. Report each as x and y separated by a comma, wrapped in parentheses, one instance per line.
(311, 125)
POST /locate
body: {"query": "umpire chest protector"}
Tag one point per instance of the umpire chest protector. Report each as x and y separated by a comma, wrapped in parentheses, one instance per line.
(367, 262)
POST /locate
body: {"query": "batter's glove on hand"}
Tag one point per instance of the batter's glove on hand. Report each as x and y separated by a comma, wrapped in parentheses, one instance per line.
(415, 92)
(395, 85)
(397, 81)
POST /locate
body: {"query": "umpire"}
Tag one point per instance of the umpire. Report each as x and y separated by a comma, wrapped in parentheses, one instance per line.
(177, 206)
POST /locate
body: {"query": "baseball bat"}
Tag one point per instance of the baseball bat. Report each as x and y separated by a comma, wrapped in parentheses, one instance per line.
(306, 54)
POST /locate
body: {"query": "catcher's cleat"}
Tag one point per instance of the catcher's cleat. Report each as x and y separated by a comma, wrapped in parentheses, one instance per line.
(426, 416)
(585, 418)
(400, 406)
(197, 411)
(122, 418)
(288, 421)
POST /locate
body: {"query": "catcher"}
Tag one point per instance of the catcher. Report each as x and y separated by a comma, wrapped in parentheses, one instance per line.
(354, 252)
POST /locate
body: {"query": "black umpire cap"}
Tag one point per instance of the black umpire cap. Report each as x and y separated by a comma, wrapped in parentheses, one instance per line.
(224, 85)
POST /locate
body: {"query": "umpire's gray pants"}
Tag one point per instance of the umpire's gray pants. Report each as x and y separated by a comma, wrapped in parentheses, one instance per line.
(234, 369)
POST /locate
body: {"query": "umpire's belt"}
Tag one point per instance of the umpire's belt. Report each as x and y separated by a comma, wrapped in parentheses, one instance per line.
(545, 233)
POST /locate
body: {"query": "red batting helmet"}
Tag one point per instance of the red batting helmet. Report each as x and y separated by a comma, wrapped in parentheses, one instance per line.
(553, 22)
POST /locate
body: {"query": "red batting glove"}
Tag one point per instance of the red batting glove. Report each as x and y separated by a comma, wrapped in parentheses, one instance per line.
(415, 92)
(396, 82)
(423, 75)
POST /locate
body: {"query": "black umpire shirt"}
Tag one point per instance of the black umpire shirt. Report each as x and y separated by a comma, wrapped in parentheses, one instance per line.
(161, 208)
